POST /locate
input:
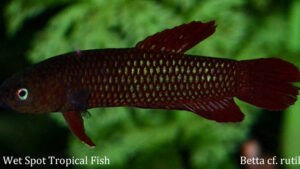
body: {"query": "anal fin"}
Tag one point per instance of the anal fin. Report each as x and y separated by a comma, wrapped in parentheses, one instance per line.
(222, 110)
(75, 122)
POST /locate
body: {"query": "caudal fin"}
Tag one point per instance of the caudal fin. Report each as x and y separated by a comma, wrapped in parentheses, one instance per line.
(267, 83)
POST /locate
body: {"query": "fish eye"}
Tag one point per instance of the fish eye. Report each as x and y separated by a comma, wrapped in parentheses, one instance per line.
(22, 94)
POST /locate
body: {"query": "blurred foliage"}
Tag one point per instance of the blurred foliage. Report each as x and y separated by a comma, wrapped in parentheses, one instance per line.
(291, 134)
(140, 138)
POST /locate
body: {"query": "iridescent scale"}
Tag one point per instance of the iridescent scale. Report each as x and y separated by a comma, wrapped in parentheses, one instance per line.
(132, 77)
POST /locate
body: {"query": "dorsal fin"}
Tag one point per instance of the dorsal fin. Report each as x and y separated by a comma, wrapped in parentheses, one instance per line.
(179, 39)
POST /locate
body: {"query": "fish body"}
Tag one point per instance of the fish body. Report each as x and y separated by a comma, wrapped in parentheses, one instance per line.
(155, 74)
(133, 77)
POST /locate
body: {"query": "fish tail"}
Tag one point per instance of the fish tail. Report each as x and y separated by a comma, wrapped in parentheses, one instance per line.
(267, 83)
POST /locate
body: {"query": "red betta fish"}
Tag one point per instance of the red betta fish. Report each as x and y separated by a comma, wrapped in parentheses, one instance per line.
(154, 74)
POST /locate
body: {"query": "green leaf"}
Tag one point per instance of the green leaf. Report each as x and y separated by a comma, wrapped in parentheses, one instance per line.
(18, 11)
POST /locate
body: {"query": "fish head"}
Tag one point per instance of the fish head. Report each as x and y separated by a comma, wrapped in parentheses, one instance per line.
(31, 91)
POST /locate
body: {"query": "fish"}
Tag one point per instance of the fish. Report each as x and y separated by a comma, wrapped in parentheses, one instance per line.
(155, 74)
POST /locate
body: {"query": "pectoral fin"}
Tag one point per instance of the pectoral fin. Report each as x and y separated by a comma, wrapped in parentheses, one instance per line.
(77, 100)
(75, 123)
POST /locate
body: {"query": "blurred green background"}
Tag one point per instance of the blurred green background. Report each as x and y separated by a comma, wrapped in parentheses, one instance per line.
(33, 30)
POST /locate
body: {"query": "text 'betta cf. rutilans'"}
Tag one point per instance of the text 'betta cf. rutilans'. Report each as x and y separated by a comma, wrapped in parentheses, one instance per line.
(155, 74)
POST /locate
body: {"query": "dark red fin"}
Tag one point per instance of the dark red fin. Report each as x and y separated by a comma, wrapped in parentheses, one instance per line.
(267, 83)
(75, 123)
(77, 100)
(179, 39)
(222, 110)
